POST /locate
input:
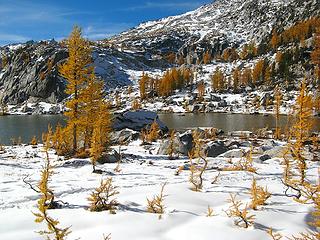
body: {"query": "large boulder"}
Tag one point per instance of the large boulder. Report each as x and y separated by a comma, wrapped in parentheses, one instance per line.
(137, 121)
(234, 153)
(165, 145)
(215, 148)
(183, 144)
(110, 157)
(186, 140)
(124, 136)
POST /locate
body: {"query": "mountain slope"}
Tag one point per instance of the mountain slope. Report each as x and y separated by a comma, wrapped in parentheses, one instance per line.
(212, 27)
(29, 71)
(219, 24)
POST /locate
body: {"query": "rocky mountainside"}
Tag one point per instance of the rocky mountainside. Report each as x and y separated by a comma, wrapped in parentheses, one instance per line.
(30, 73)
(218, 25)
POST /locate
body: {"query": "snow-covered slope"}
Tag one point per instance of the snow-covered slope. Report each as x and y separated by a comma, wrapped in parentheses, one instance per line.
(185, 210)
(222, 23)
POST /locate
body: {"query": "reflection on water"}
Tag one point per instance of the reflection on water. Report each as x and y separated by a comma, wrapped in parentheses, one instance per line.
(225, 121)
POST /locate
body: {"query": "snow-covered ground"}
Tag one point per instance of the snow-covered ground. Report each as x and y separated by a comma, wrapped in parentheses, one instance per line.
(142, 174)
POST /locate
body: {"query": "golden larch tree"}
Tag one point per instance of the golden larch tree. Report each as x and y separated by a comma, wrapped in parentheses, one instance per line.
(277, 104)
(315, 55)
(76, 71)
(93, 99)
(301, 129)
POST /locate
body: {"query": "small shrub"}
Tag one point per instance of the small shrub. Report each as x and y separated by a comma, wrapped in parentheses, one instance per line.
(274, 236)
(34, 141)
(245, 164)
(196, 169)
(172, 146)
(258, 195)
(156, 204)
(46, 202)
(103, 198)
(244, 219)
(118, 168)
(136, 104)
(153, 133)
(210, 212)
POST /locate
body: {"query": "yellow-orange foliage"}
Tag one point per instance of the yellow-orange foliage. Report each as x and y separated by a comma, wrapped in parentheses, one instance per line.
(301, 128)
(257, 73)
(34, 141)
(236, 79)
(244, 218)
(156, 204)
(246, 77)
(104, 197)
(244, 164)
(173, 79)
(315, 55)
(153, 132)
(258, 195)
(218, 80)
(230, 55)
(197, 167)
(301, 31)
(136, 104)
(277, 104)
(76, 70)
(275, 39)
(201, 90)
(101, 133)
(207, 57)
(143, 85)
(46, 202)
(93, 102)
(273, 235)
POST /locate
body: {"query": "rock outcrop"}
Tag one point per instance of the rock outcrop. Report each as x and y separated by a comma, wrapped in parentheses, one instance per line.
(137, 121)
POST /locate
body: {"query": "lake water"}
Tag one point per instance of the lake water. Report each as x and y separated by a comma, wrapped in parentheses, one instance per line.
(26, 126)
(34, 125)
(225, 121)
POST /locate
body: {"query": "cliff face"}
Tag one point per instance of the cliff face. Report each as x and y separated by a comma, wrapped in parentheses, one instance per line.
(30, 72)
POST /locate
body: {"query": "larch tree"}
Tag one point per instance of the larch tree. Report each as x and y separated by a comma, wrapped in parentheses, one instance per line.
(236, 79)
(206, 57)
(93, 99)
(315, 55)
(101, 133)
(246, 77)
(76, 70)
(274, 40)
(143, 85)
(277, 104)
(257, 73)
(301, 128)
(218, 80)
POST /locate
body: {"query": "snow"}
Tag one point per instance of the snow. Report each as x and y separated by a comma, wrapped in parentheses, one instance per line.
(185, 210)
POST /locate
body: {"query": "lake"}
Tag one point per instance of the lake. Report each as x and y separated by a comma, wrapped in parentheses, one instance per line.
(226, 121)
(27, 126)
